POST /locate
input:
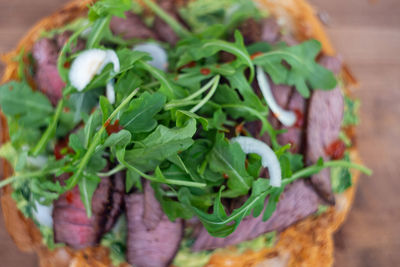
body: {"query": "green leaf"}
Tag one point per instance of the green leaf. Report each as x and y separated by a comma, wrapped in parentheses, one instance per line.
(201, 15)
(168, 88)
(87, 186)
(161, 144)
(351, 108)
(138, 118)
(132, 179)
(218, 223)
(173, 209)
(19, 101)
(120, 139)
(105, 8)
(182, 116)
(92, 126)
(99, 29)
(341, 177)
(106, 108)
(207, 48)
(128, 58)
(228, 159)
(303, 71)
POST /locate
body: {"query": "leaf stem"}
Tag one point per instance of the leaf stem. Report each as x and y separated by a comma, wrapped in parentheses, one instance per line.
(173, 23)
(96, 141)
(307, 172)
(158, 180)
(50, 131)
(208, 96)
(112, 172)
(187, 101)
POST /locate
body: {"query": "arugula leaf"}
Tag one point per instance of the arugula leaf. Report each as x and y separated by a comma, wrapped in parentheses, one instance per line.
(139, 117)
(105, 8)
(196, 50)
(168, 88)
(87, 186)
(115, 240)
(120, 139)
(303, 68)
(161, 144)
(228, 159)
(219, 224)
(128, 58)
(182, 116)
(200, 15)
(351, 108)
(341, 177)
(173, 209)
(19, 101)
(132, 179)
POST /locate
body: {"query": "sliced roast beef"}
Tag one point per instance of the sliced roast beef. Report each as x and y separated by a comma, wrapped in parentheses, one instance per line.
(152, 213)
(251, 31)
(71, 224)
(294, 134)
(297, 202)
(130, 27)
(45, 53)
(62, 38)
(270, 31)
(150, 248)
(162, 29)
(48, 80)
(333, 64)
(117, 200)
(324, 123)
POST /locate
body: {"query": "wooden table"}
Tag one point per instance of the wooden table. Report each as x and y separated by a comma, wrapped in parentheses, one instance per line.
(367, 33)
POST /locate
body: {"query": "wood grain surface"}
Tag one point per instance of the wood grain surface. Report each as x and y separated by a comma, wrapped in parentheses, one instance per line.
(367, 34)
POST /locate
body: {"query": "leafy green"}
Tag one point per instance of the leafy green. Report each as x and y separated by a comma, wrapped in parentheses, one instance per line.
(106, 8)
(139, 117)
(87, 186)
(203, 14)
(31, 109)
(228, 159)
(115, 240)
(303, 69)
(351, 108)
(341, 177)
(161, 144)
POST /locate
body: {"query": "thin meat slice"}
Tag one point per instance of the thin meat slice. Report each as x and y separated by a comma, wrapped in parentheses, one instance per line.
(117, 200)
(150, 248)
(47, 78)
(45, 53)
(71, 224)
(294, 134)
(152, 213)
(270, 31)
(324, 123)
(130, 27)
(297, 202)
(251, 31)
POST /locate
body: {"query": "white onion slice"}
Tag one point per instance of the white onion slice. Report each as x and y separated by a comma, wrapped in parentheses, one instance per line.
(158, 54)
(110, 92)
(88, 64)
(42, 214)
(287, 118)
(268, 157)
